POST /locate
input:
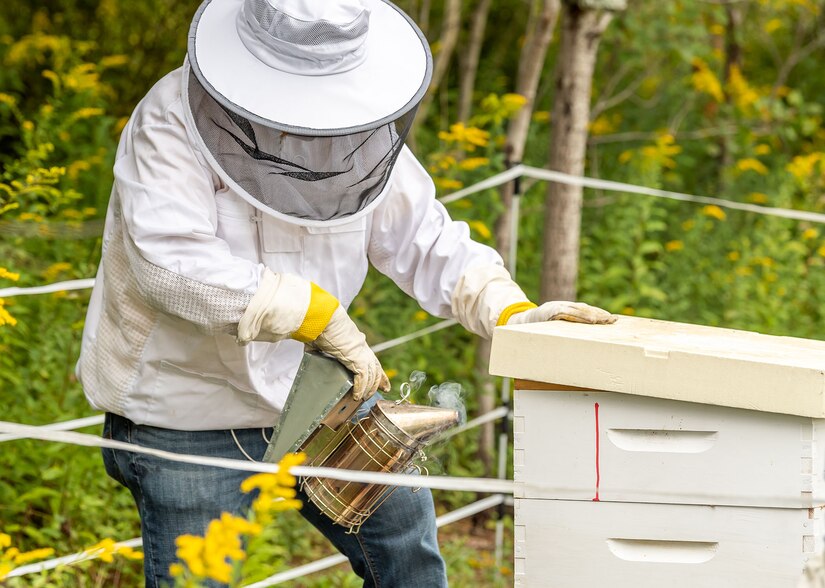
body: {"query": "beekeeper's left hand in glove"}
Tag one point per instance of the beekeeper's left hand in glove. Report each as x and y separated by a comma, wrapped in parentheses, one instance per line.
(577, 312)
(486, 297)
(287, 306)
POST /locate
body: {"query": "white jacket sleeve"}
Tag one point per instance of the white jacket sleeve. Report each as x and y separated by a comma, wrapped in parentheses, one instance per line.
(432, 257)
(166, 200)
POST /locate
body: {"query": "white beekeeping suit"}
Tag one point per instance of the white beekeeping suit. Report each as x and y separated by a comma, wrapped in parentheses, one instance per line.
(253, 187)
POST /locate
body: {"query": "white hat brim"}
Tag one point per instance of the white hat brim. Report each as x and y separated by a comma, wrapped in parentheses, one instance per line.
(390, 82)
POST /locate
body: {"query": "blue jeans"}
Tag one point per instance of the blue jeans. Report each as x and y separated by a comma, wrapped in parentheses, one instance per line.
(396, 548)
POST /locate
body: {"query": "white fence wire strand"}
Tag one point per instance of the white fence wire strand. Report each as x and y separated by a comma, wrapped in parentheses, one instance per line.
(62, 426)
(508, 176)
(68, 559)
(464, 484)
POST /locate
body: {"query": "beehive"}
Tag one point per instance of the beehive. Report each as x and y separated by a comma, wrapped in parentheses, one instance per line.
(651, 453)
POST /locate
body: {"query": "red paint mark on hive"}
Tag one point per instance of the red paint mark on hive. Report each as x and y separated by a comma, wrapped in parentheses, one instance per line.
(598, 477)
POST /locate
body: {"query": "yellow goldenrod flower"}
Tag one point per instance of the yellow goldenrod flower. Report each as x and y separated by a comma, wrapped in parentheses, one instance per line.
(86, 112)
(7, 99)
(803, 166)
(625, 156)
(472, 163)
(674, 246)
(809, 234)
(714, 211)
(447, 184)
(421, 315)
(56, 269)
(5, 540)
(751, 164)
(821, 251)
(758, 197)
(5, 569)
(541, 116)
(5, 317)
(744, 96)
(688, 224)
(391, 373)
(762, 149)
(772, 25)
(704, 80)
(113, 61)
(103, 550)
(29, 556)
(13, 276)
(480, 228)
(733, 256)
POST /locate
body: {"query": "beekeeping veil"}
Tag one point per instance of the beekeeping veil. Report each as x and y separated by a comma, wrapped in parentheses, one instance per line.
(302, 106)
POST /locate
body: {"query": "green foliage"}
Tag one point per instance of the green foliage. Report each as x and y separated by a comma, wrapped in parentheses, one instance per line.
(675, 109)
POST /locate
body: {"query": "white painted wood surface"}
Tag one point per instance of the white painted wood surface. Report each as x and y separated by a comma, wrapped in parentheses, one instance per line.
(654, 450)
(583, 544)
(710, 454)
(676, 361)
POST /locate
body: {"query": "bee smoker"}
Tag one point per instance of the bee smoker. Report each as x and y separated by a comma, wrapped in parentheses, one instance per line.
(388, 439)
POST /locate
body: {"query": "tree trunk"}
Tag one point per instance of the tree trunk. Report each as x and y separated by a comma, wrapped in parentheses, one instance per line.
(540, 27)
(733, 59)
(469, 61)
(446, 43)
(544, 14)
(581, 33)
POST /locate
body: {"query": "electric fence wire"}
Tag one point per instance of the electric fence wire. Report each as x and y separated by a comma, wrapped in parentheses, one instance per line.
(511, 174)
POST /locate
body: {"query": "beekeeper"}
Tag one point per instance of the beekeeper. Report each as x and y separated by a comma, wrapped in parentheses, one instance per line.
(253, 187)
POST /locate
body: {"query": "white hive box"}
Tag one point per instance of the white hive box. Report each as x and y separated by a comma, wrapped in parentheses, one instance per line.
(704, 448)
(654, 450)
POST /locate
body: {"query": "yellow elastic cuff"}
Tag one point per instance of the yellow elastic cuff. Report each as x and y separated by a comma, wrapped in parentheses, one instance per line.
(321, 306)
(513, 309)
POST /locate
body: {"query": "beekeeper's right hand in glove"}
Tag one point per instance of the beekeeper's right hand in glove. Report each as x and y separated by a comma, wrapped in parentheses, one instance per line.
(486, 297)
(286, 306)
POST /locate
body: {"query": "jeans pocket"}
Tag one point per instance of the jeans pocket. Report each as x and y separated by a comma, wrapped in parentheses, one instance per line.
(110, 456)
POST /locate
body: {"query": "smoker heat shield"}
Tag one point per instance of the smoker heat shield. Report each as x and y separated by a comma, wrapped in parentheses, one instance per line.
(320, 386)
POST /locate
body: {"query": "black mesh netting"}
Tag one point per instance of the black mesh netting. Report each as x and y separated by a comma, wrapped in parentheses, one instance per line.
(312, 178)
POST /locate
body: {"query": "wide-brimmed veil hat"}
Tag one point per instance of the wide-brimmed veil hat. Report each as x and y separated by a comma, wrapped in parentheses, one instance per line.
(338, 80)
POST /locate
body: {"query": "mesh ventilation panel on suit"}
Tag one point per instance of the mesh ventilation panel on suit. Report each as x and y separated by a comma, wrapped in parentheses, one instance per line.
(301, 176)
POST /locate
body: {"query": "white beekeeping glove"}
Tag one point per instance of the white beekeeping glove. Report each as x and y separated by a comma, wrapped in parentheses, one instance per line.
(287, 306)
(486, 297)
(577, 312)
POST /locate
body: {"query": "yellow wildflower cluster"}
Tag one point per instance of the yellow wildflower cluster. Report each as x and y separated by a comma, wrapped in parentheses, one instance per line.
(479, 227)
(714, 211)
(5, 317)
(448, 184)
(674, 245)
(467, 138)
(210, 556)
(660, 153)
(11, 557)
(55, 270)
(751, 164)
(605, 124)
(496, 109)
(742, 94)
(276, 492)
(106, 550)
(803, 167)
(704, 80)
